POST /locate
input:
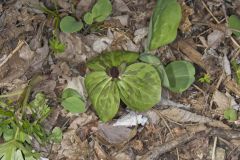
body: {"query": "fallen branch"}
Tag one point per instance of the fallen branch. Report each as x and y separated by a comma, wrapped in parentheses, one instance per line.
(166, 147)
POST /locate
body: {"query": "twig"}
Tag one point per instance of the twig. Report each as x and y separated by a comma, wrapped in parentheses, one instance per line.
(166, 147)
(206, 7)
(169, 129)
(20, 44)
(214, 149)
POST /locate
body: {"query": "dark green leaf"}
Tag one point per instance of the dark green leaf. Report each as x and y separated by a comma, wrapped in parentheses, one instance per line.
(112, 59)
(164, 23)
(180, 75)
(140, 86)
(68, 24)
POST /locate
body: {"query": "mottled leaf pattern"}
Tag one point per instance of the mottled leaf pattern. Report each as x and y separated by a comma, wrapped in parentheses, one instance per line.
(110, 59)
(103, 94)
(140, 86)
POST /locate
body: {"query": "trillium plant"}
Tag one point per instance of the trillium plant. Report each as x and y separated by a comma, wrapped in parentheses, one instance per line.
(117, 76)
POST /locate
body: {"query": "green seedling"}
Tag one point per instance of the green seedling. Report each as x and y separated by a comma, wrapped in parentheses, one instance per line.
(164, 23)
(205, 79)
(236, 68)
(56, 45)
(69, 24)
(72, 101)
(20, 122)
(100, 11)
(117, 75)
(234, 24)
(230, 114)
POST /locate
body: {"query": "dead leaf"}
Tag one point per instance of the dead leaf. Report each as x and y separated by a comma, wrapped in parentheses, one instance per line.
(77, 83)
(222, 101)
(76, 50)
(115, 134)
(120, 5)
(140, 34)
(184, 116)
(101, 44)
(82, 120)
(215, 38)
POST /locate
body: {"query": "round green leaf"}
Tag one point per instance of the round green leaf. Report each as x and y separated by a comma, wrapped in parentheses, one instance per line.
(68, 24)
(103, 94)
(234, 23)
(74, 104)
(180, 75)
(140, 86)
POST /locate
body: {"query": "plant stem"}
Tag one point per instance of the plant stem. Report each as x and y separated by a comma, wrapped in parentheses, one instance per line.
(11, 94)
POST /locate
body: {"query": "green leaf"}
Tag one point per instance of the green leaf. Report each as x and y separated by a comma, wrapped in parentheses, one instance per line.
(103, 93)
(234, 23)
(150, 59)
(112, 59)
(68, 24)
(100, 11)
(230, 114)
(88, 18)
(69, 92)
(7, 150)
(56, 135)
(164, 23)
(180, 75)
(163, 75)
(72, 101)
(236, 68)
(56, 45)
(140, 86)
(74, 104)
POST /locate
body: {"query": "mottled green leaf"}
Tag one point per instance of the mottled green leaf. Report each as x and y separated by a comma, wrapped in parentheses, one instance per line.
(103, 94)
(100, 11)
(234, 23)
(69, 24)
(150, 59)
(180, 75)
(140, 86)
(164, 23)
(112, 59)
(230, 114)
(163, 75)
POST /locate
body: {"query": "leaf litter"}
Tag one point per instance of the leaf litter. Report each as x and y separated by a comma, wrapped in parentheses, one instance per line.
(203, 39)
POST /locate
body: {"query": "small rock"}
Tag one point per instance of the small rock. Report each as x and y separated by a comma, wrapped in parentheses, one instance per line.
(101, 44)
(140, 34)
(123, 19)
(215, 38)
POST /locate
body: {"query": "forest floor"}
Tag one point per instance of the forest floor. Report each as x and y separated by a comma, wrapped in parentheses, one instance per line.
(185, 126)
